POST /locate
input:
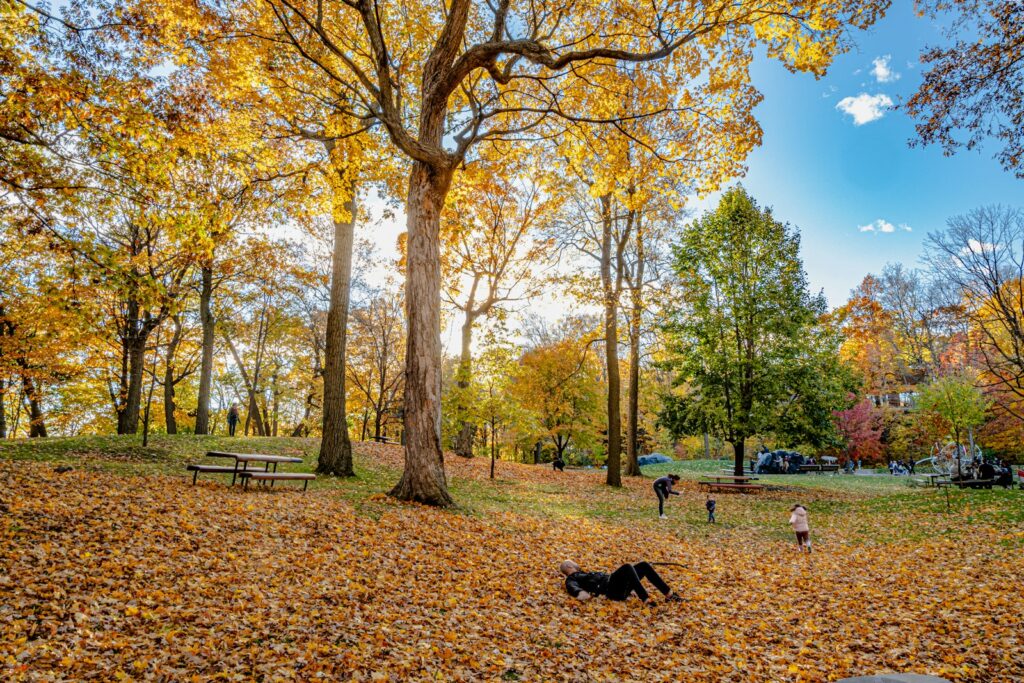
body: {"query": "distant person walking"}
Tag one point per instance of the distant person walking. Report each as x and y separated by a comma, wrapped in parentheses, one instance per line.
(798, 518)
(710, 505)
(232, 419)
(663, 487)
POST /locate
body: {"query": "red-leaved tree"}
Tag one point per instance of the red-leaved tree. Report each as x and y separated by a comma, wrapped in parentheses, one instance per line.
(861, 429)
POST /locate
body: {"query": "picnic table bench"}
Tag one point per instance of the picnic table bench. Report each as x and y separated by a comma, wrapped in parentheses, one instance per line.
(256, 475)
(384, 439)
(974, 483)
(730, 483)
(244, 459)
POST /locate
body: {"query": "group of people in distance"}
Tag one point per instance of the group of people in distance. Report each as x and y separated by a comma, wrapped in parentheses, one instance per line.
(628, 579)
(901, 467)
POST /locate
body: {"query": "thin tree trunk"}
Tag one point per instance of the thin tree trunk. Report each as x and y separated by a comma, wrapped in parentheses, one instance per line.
(3, 409)
(464, 440)
(149, 398)
(275, 393)
(37, 424)
(253, 408)
(335, 446)
(206, 364)
(635, 320)
(423, 478)
(611, 346)
(172, 349)
(494, 444)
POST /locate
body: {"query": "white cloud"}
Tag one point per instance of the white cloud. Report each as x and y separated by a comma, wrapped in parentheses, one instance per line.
(906, 228)
(865, 108)
(881, 70)
(882, 225)
(976, 247)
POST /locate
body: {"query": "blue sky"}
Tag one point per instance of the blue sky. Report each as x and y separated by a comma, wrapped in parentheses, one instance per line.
(828, 176)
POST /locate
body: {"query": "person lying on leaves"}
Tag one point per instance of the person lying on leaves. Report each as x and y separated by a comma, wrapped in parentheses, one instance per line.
(618, 585)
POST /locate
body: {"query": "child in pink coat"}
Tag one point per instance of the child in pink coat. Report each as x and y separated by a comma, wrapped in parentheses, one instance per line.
(798, 518)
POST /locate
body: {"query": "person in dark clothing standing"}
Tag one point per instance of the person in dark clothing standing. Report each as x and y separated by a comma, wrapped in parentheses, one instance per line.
(232, 419)
(710, 505)
(663, 487)
(619, 585)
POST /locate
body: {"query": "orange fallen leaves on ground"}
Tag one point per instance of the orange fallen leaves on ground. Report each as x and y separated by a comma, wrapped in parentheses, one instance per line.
(148, 578)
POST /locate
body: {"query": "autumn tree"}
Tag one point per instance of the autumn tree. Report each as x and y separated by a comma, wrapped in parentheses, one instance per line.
(377, 332)
(558, 380)
(973, 88)
(861, 430)
(981, 255)
(743, 340)
(956, 401)
(491, 255)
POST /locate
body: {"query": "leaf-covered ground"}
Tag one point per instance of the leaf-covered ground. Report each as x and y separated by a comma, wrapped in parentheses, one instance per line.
(105, 576)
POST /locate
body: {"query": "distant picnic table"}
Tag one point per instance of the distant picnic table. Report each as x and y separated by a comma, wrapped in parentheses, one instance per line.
(727, 482)
(240, 470)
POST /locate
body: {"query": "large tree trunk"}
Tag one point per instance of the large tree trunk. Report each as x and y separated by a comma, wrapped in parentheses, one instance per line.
(37, 424)
(464, 441)
(206, 364)
(737, 447)
(335, 446)
(423, 478)
(611, 346)
(128, 417)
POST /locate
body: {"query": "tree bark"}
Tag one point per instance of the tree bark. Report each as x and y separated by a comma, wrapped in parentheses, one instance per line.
(335, 446)
(128, 417)
(37, 423)
(423, 479)
(611, 346)
(737, 447)
(206, 364)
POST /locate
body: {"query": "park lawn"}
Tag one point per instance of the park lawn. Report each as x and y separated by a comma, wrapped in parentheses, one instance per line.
(120, 569)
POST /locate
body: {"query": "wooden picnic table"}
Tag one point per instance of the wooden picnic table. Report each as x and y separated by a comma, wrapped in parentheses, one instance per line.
(240, 458)
(720, 477)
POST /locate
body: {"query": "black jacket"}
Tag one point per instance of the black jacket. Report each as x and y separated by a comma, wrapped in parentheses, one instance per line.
(595, 583)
